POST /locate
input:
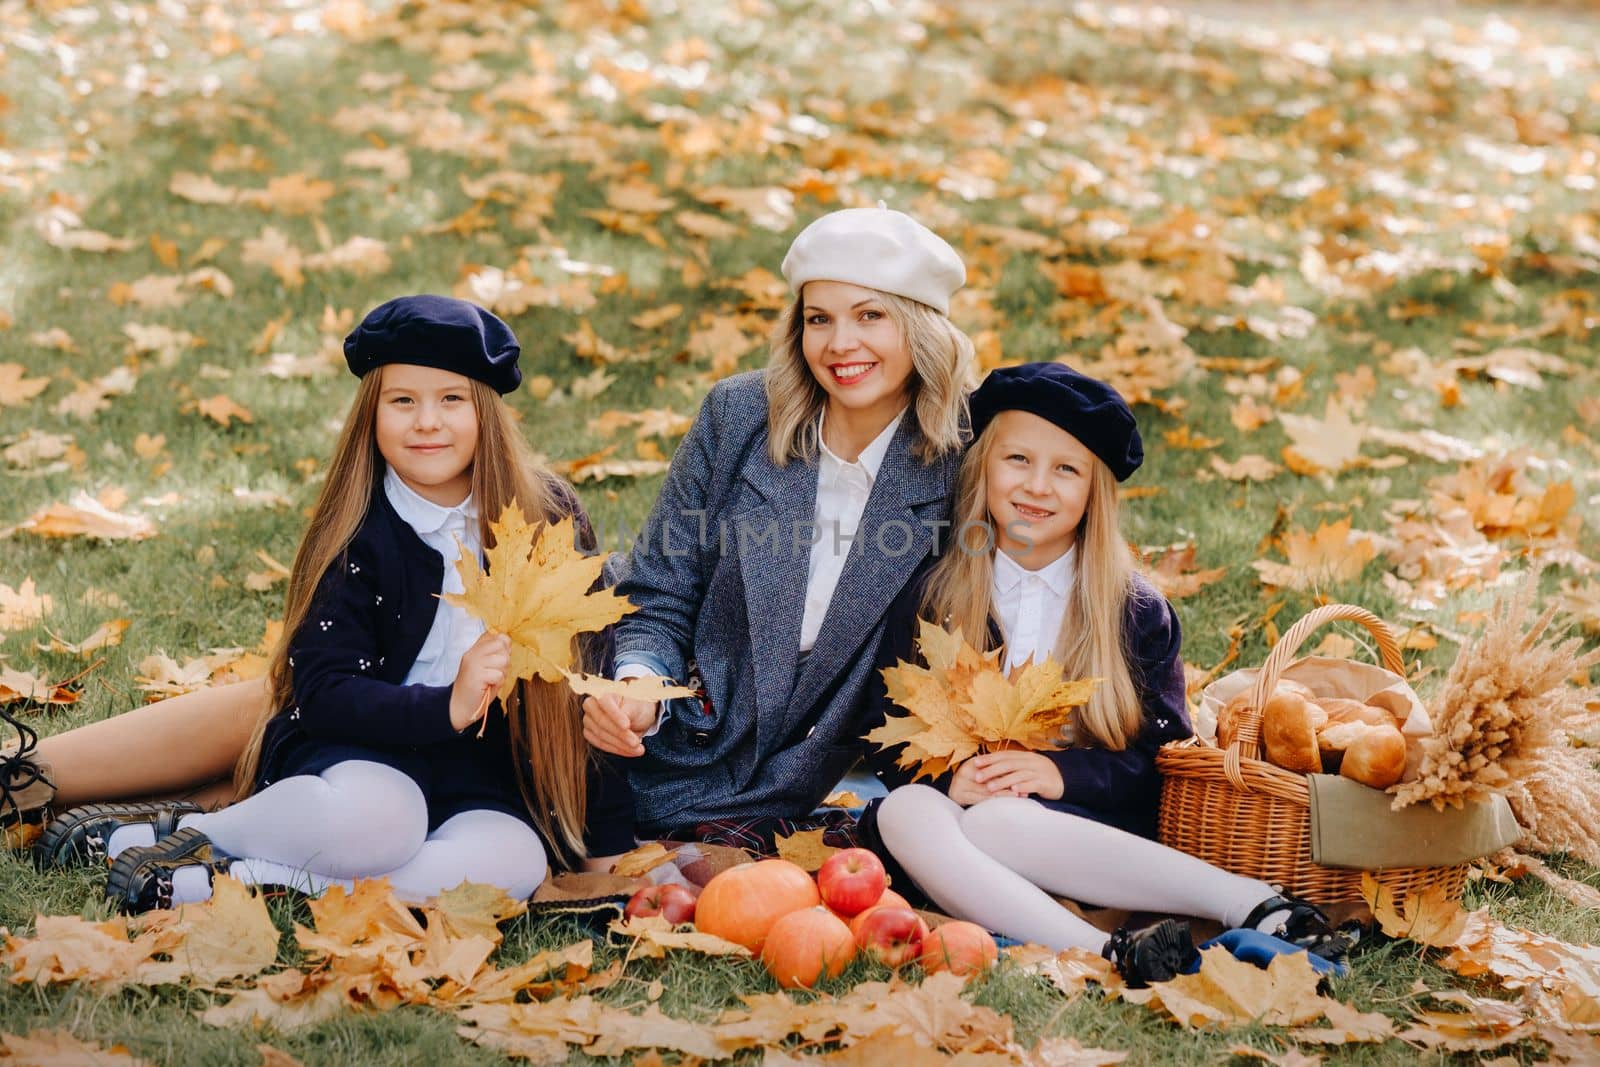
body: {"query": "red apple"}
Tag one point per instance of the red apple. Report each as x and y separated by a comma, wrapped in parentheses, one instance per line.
(672, 902)
(888, 899)
(892, 936)
(851, 881)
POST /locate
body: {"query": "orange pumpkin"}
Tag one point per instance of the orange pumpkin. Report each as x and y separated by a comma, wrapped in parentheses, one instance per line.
(958, 947)
(742, 903)
(805, 945)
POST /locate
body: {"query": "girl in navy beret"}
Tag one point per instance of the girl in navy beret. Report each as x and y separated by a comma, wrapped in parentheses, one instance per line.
(371, 763)
(1037, 568)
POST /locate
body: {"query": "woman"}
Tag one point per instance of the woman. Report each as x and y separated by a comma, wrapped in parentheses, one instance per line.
(798, 506)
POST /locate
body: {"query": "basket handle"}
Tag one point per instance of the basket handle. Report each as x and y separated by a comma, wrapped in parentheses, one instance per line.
(1247, 741)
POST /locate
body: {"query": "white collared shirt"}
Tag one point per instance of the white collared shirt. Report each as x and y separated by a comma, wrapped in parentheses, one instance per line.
(1031, 604)
(842, 492)
(453, 630)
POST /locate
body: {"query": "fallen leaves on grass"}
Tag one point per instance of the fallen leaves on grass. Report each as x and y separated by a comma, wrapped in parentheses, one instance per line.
(1329, 555)
(1227, 992)
(23, 606)
(85, 516)
(1428, 918)
(161, 676)
(106, 635)
(16, 686)
(58, 1048)
(652, 936)
(15, 388)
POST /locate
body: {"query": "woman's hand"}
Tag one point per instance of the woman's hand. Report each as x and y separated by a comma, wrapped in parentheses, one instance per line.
(483, 667)
(617, 725)
(1016, 773)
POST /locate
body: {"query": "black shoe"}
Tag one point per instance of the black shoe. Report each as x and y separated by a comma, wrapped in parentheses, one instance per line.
(141, 877)
(1156, 953)
(25, 786)
(1305, 925)
(80, 836)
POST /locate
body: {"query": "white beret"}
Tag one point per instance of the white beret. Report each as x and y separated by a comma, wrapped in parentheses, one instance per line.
(880, 249)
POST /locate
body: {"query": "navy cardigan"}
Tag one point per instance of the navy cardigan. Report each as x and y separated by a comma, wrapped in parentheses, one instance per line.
(348, 661)
(1119, 788)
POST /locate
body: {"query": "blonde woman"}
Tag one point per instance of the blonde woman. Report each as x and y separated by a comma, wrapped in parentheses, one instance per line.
(367, 767)
(1038, 568)
(797, 508)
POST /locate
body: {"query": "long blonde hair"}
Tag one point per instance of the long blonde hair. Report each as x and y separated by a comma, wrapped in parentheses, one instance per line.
(1093, 641)
(942, 365)
(545, 719)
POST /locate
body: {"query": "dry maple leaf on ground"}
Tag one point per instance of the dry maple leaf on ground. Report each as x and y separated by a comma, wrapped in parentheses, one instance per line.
(1330, 554)
(962, 703)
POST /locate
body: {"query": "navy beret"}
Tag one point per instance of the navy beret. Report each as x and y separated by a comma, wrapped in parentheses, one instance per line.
(440, 332)
(1085, 407)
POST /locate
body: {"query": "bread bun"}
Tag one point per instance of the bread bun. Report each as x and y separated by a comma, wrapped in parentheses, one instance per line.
(1228, 717)
(1340, 709)
(1289, 733)
(1335, 737)
(1377, 757)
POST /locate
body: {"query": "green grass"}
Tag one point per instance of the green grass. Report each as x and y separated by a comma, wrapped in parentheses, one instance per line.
(1121, 140)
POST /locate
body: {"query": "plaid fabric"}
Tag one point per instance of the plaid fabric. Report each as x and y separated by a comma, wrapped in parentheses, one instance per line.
(760, 835)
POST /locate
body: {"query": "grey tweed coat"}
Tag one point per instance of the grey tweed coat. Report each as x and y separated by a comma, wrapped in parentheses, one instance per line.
(719, 579)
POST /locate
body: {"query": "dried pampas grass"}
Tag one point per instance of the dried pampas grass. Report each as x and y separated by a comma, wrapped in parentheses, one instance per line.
(1504, 722)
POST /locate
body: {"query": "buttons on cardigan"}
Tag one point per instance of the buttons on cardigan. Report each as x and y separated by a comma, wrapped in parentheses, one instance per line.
(700, 738)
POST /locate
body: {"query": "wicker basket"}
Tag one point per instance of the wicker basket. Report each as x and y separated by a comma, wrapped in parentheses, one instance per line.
(1236, 811)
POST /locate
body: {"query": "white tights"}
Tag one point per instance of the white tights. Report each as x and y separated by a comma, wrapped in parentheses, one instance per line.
(997, 862)
(357, 819)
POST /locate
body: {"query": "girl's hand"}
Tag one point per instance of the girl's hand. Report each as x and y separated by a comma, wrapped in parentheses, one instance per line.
(483, 667)
(616, 724)
(1015, 773)
(965, 788)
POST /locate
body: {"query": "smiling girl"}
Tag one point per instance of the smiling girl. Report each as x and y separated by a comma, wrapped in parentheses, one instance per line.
(367, 767)
(1050, 576)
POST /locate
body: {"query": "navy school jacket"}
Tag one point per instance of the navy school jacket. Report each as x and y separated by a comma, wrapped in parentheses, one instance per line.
(718, 580)
(368, 620)
(1119, 788)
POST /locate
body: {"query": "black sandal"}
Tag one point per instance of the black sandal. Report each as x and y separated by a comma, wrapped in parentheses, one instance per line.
(1305, 925)
(80, 836)
(26, 790)
(1155, 953)
(141, 877)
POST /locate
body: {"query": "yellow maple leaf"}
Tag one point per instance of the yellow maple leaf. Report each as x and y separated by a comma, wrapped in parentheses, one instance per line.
(1428, 918)
(536, 592)
(1027, 709)
(1331, 553)
(1329, 444)
(963, 703)
(805, 849)
(222, 409)
(16, 389)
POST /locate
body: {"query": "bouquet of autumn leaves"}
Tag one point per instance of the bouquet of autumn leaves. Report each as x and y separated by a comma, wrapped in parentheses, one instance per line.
(537, 589)
(962, 703)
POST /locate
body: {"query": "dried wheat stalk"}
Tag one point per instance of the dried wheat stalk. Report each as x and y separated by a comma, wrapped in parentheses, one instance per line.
(1504, 721)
